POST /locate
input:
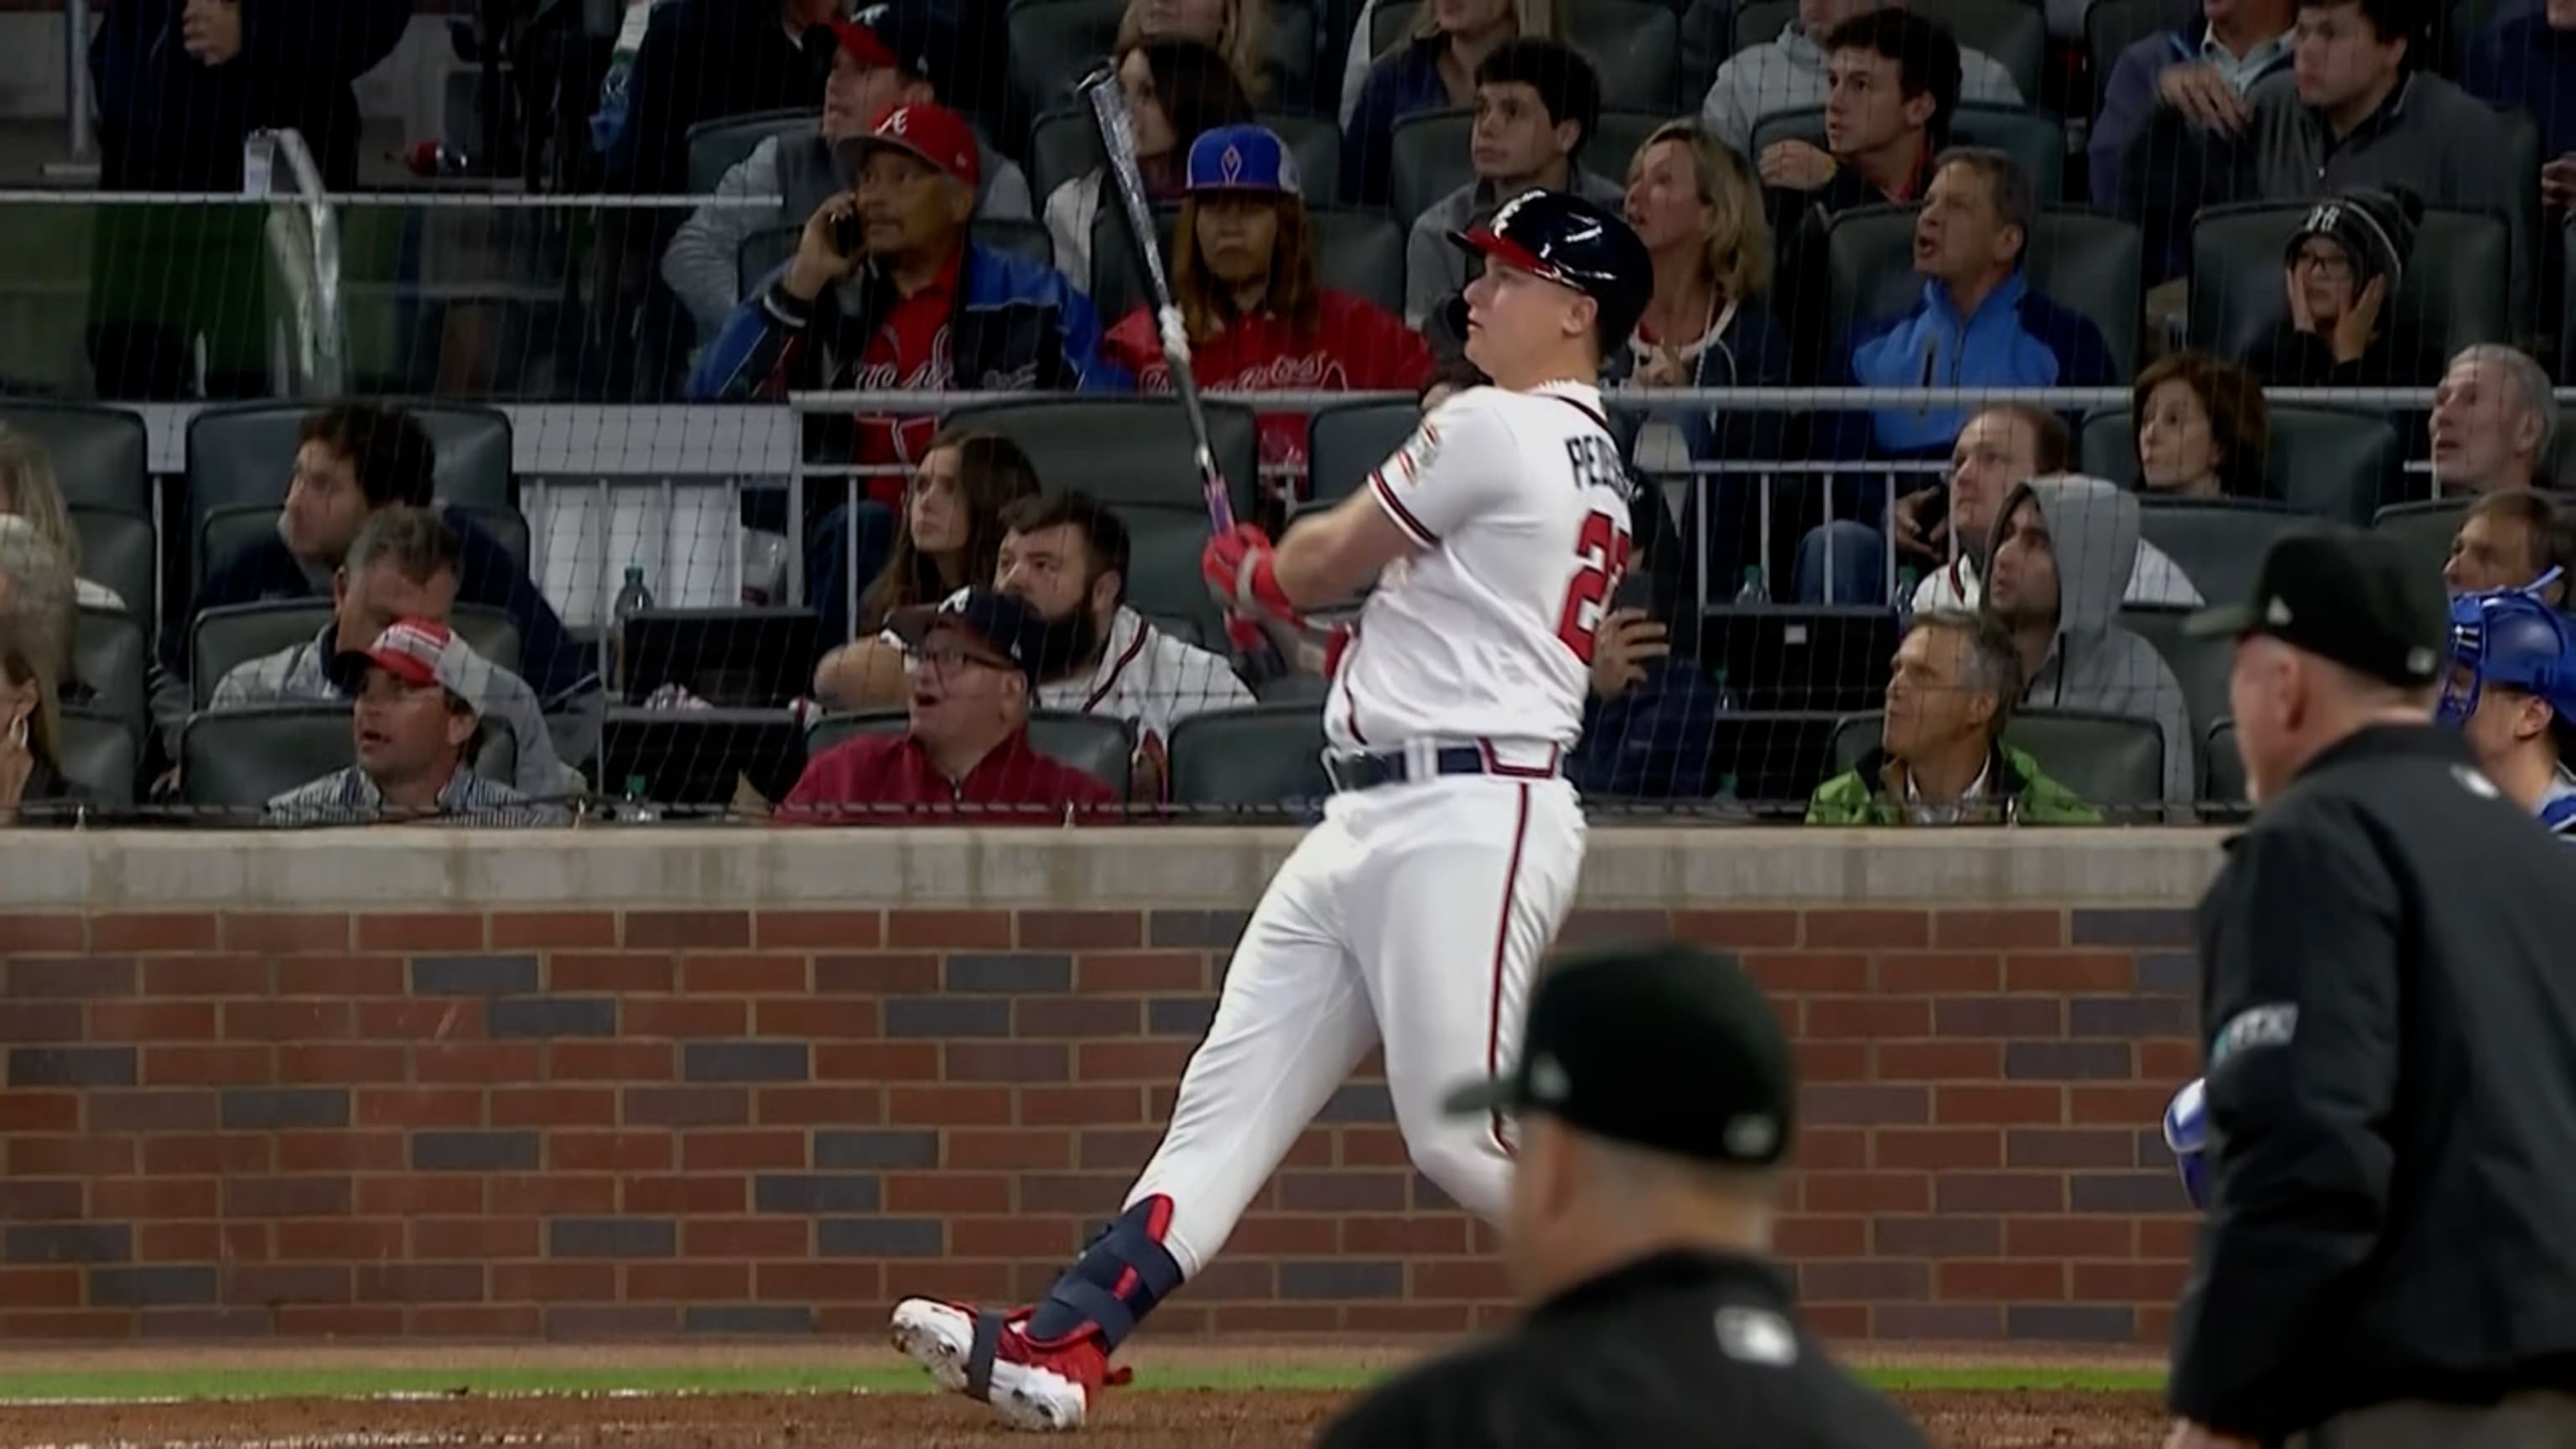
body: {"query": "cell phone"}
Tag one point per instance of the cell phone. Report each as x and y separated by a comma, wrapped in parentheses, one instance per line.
(850, 235)
(1936, 510)
(1636, 591)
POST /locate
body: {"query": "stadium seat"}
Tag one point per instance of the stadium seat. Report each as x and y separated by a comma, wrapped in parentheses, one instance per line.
(2013, 34)
(241, 759)
(2080, 259)
(2220, 543)
(2222, 768)
(2423, 529)
(99, 453)
(98, 755)
(2034, 138)
(111, 655)
(1621, 135)
(1347, 441)
(2329, 462)
(1301, 688)
(1129, 453)
(1261, 755)
(220, 639)
(2199, 665)
(240, 456)
(2567, 314)
(118, 551)
(716, 147)
(1163, 577)
(1097, 745)
(1634, 46)
(2334, 463)
(505, 526)
(2454, 292)
(1427, 158)
(2115, 762)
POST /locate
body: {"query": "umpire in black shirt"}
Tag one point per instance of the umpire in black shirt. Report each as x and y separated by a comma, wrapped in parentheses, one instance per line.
(2389, 1007)
(1654, 1094)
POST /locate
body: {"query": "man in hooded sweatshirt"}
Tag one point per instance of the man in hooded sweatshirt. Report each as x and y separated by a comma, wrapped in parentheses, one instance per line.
(2061, 556)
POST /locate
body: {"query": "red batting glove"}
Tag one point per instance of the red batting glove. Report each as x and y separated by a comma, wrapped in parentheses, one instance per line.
(1240, 571)
(1246, 637)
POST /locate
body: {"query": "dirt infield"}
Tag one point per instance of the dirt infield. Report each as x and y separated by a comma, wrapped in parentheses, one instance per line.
(1172, 1420)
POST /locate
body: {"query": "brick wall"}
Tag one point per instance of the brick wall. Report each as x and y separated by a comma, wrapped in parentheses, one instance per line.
(583, 1123)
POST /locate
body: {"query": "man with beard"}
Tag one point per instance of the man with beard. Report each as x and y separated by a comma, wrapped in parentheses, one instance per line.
(1066, 556)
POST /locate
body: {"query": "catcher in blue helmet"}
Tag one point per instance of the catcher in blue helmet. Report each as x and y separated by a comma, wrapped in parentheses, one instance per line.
(2511, 692)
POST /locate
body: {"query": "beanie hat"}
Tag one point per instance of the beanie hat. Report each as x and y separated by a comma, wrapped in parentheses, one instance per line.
(2376, 228)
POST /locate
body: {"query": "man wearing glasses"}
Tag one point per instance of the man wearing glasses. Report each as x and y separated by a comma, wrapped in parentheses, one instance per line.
(971, 667)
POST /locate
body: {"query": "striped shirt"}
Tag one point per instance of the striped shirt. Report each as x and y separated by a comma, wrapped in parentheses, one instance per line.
(348, 797)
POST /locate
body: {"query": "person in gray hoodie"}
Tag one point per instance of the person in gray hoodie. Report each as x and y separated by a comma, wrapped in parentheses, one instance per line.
(893, 54)
(2062, 551)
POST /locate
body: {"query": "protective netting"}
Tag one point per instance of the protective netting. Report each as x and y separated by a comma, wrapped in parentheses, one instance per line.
(688, 449)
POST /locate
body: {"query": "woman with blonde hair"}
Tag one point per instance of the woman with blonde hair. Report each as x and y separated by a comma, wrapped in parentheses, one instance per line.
(1432, 68)
(37, 617)
(1239, 30)
(29, 489)
(1697, 208)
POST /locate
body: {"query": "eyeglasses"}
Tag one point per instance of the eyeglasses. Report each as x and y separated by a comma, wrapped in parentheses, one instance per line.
(947, 657)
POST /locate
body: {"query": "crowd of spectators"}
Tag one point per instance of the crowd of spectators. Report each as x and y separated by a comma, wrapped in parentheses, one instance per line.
(1846, 203)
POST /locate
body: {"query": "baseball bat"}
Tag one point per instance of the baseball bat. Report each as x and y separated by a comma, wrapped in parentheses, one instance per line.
(1099, 92)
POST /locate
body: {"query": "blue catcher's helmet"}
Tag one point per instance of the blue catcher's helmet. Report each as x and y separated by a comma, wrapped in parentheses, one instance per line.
(2509, 637)
(2187, 1133)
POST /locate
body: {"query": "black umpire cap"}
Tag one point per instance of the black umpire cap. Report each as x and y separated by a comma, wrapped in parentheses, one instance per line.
(2355, 598)
(1665, 1046)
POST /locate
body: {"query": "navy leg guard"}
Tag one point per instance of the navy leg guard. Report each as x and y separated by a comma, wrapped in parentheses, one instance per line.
(1115, 1283)
(979, 1357)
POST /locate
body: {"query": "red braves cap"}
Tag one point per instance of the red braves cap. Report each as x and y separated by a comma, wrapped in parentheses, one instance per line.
(863, 45)
(421, 652)
(932, 132)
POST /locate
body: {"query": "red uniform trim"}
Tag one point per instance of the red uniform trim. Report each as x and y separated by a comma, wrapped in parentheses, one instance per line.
(1502, 950)
(1403, 516)
(1495, 766)
(1350, 699)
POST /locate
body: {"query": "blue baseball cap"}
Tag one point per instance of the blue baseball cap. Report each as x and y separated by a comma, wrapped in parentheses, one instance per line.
(1006, 625)
(1242, 158)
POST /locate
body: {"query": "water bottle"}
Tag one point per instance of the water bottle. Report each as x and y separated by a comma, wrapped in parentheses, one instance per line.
(1726, 787)
(634, 807)
(631, 600)
(1753, 593)
(1726, 698)
(1906, 583)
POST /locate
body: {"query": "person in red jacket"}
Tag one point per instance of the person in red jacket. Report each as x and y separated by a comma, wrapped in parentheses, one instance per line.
(1243, 275)
(974, 664)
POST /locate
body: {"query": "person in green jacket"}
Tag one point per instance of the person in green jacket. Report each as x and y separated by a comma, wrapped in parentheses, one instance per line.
(1941, 758)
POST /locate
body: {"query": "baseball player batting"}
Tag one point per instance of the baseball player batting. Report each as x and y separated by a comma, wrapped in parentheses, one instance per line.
(1415, 915)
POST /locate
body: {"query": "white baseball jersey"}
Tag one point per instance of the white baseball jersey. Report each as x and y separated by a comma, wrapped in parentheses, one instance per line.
(1521, 506)
(1150, 677)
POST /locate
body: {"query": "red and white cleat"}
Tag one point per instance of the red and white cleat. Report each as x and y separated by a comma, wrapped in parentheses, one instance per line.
(988, 1357)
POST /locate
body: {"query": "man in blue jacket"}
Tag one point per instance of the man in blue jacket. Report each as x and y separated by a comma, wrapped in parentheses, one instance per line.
(1979, 323)
(887, 292)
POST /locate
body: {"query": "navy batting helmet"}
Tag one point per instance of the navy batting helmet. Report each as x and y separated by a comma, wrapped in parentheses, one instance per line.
(2508, 637)
(1575, 243)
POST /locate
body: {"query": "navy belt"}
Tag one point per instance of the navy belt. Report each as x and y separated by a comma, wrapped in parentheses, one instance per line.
(1368, 769)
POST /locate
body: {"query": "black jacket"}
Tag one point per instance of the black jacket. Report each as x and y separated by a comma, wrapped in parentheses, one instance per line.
(705, 60)
(2391, 1021)
(1677, 1349)
(170, 121)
